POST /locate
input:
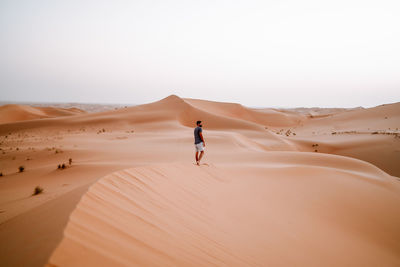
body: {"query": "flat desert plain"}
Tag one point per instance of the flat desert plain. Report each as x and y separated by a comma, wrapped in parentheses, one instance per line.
(276, 187)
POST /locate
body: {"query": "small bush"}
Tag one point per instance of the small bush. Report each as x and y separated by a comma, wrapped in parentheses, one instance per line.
(21, 168)
(1, 174)
(62, 166)
(70, 161)
(37, 191)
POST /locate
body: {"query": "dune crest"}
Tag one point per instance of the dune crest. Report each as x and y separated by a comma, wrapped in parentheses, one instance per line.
(264, 117)
(280, 185)
(184, 215)
(13, 113)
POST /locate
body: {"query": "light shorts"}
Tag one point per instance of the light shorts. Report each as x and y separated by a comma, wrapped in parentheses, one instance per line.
(199, 147)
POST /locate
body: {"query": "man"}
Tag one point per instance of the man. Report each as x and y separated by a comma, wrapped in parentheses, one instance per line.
(199, 142)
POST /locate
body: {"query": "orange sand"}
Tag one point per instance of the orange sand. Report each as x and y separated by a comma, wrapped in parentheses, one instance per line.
(265, 197)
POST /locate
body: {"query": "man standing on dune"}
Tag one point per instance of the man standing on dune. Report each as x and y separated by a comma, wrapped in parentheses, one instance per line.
(199, 142)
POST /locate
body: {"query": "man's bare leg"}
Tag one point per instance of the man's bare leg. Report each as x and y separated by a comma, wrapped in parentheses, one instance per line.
(197, 158)
(201, 155)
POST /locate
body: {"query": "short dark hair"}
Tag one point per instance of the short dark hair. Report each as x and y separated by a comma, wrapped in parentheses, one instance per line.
(198, 122)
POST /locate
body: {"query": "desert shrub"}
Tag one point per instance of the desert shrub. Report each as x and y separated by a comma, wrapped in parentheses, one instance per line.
(61, 166)
(37, 190)
(70, 161)
(21, 168)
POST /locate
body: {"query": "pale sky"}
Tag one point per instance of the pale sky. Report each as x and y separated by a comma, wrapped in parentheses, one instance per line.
(293, 53)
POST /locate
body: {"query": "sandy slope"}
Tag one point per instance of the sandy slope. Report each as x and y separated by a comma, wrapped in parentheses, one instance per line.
(380, 118)
(248, 147)
(12, 112)
(267, 117)
(340, 212)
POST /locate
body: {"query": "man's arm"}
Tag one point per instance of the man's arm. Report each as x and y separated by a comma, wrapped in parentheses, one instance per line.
(202, 139)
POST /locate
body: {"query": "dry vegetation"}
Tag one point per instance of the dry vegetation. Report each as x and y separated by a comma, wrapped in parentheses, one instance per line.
(38, 190)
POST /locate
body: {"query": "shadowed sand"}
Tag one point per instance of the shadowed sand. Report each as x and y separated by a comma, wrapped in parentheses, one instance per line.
(184, 215)
(280, 188)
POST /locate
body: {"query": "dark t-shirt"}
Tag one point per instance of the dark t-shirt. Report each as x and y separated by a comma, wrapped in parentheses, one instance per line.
(197, 132)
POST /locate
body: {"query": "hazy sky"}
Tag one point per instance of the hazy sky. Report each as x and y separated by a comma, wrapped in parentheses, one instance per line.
(258, 53)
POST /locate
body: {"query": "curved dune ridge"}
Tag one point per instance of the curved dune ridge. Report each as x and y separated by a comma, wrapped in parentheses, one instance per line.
(183, 215)
(270, 117)
(177, 112)
(216, 115)
(13, 113)
(283, 188)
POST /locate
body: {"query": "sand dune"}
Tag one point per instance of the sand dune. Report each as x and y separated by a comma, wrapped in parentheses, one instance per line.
(12, 113)
(270, 117)
(370, 134)
(184, 215)
(282, 188)
(180, 112)
(380, 118)
(318, 112)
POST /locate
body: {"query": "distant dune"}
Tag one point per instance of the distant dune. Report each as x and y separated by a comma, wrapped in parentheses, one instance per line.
(12, 113)
(88, 107)
(279, 187)
(318, 112)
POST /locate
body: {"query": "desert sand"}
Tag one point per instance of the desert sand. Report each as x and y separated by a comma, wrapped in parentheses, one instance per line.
(277, 187)
(12, 112)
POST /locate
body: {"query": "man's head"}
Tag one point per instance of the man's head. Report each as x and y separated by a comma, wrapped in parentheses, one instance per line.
(198, 123)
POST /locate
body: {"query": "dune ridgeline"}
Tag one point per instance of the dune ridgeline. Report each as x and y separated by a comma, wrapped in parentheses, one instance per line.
(277, 187)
